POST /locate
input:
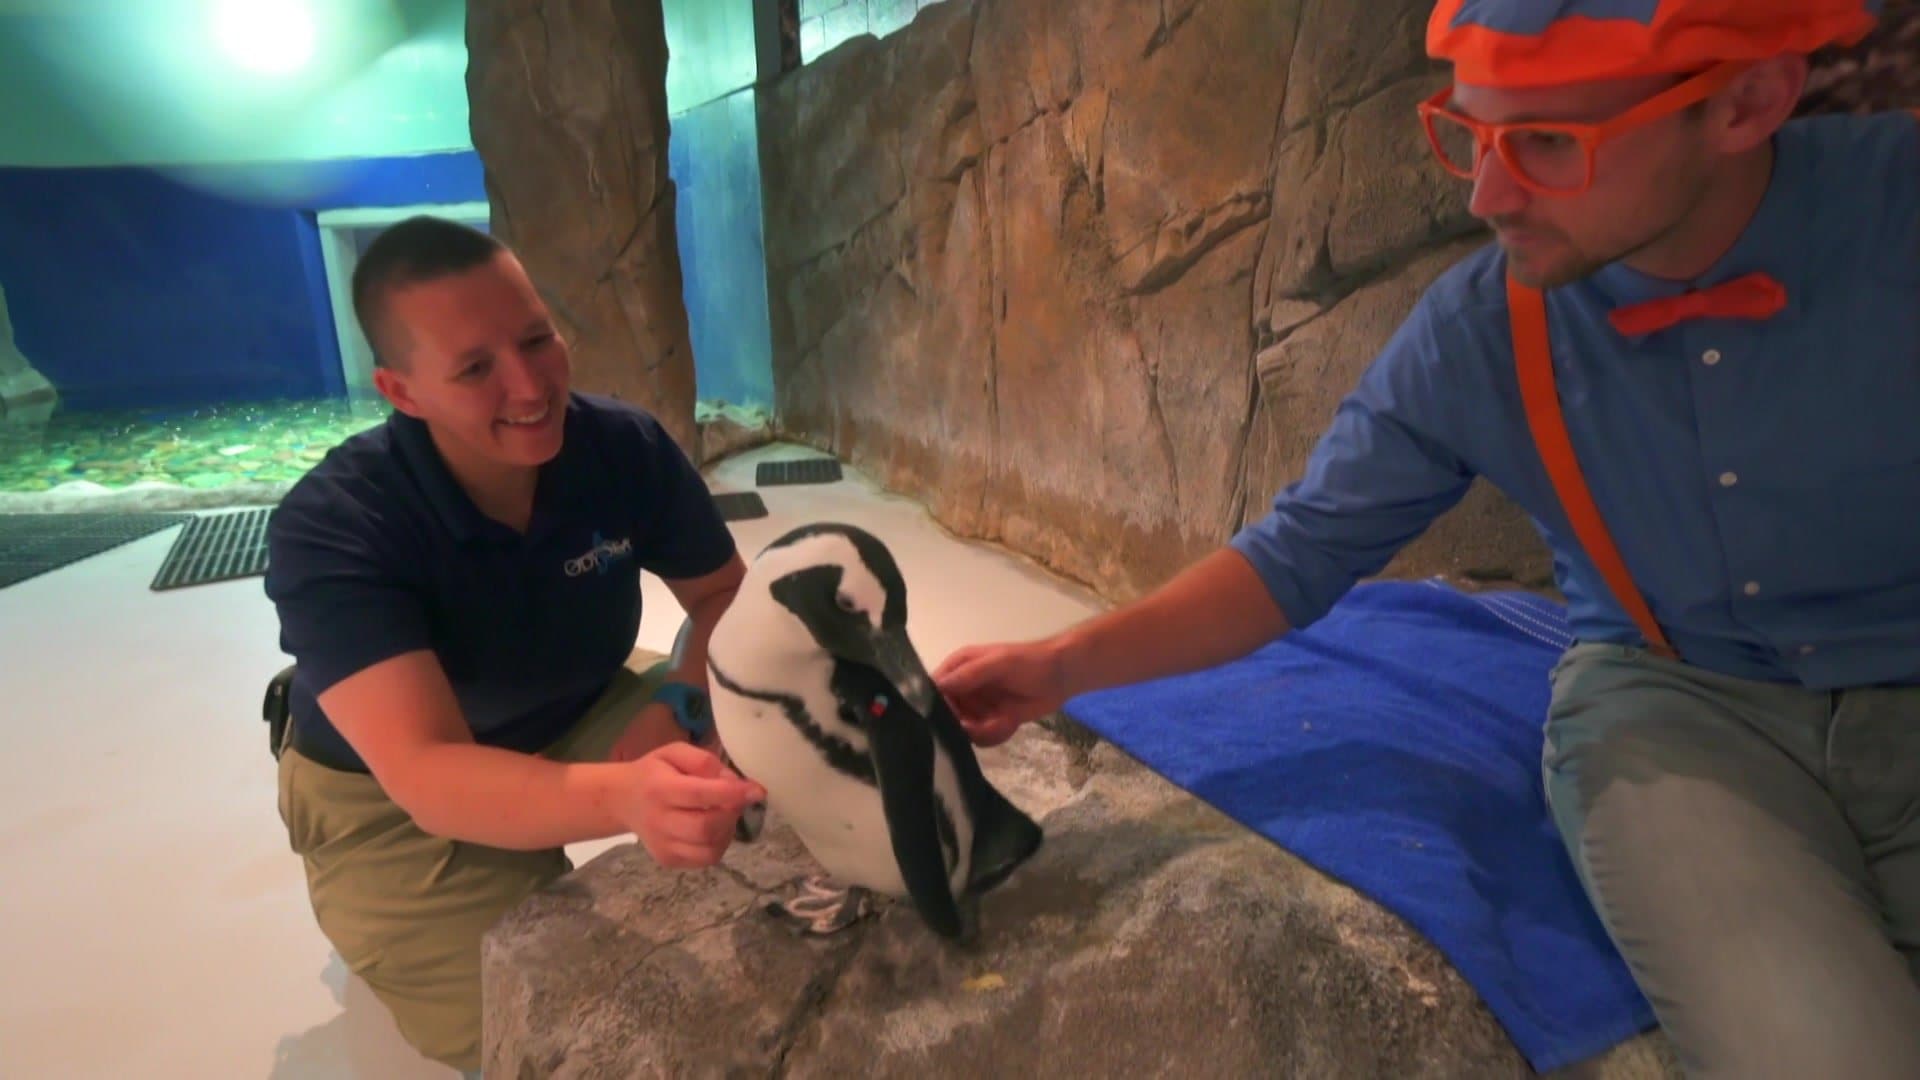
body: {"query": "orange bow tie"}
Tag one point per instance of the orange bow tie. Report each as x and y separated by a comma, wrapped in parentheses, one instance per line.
(1755, 296)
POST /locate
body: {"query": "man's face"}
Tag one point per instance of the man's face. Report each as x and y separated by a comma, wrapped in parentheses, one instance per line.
(478, 359)
(1645, 182)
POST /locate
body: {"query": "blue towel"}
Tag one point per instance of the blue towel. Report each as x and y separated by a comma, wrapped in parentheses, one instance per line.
(1395, 746)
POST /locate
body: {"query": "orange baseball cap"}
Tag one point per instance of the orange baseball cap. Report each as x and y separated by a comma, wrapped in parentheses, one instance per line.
(1522, 43)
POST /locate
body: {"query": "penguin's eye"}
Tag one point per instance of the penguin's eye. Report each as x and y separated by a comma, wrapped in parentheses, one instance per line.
(846, 603)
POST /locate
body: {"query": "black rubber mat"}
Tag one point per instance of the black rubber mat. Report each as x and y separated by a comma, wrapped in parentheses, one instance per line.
(217, 547)
(805, 471)
(33, 544)
(740, 505)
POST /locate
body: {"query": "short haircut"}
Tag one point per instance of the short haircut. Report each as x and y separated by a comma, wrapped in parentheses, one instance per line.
(421, 248)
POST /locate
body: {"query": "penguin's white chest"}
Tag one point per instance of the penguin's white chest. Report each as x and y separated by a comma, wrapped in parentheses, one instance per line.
(838, 817)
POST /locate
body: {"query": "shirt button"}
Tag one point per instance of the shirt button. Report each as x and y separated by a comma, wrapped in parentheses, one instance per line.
(1728, 479)
(1752, 588)
(1710, 357)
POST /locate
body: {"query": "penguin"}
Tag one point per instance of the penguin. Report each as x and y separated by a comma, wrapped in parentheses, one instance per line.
(819, 696)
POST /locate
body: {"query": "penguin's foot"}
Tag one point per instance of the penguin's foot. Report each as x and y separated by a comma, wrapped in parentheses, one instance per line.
(818, 908)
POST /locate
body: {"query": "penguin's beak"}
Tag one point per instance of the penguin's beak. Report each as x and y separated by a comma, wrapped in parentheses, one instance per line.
(894, 657)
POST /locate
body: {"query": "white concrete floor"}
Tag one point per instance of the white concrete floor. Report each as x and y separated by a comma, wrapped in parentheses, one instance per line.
(153, 922)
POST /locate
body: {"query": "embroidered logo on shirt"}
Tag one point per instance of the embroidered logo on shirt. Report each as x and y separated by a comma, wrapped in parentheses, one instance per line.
(601, 556)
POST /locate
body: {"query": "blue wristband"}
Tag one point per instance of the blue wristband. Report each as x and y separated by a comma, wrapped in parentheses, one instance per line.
(690, 708)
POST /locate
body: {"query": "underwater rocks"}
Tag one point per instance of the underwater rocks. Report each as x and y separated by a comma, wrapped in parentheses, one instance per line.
(1150, 935)
(204, 448)
(145, 496)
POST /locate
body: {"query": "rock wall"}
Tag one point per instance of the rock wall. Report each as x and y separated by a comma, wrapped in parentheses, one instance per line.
(1087, 278)
(1881, 72)
(1091, 278)
(568, 107)
(27, 399)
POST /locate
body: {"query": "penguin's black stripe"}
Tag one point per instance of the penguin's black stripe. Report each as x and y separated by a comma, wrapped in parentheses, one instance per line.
(873, 553)
(839, 752)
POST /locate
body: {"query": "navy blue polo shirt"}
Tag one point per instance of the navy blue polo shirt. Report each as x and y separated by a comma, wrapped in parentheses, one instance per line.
(378, 551)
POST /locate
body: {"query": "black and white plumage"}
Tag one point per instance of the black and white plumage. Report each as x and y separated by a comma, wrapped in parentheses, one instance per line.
(819, 695)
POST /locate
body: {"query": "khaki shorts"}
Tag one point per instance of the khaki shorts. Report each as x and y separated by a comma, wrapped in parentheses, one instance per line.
(406, 910)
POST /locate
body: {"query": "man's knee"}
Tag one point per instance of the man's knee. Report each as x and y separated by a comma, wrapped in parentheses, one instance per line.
(1754, 1022)
(1732, 885)
(1759, 956)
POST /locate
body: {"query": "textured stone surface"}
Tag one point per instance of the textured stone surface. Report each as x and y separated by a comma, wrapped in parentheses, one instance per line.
(1025, 260)
(1303, 378)
(729, 429)
(568, 107)
(1881, 72)
(1035, 262)
(1150, 936)
(27, 399)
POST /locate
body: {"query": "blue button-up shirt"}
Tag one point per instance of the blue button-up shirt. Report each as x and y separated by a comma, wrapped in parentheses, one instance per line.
(1760, 479)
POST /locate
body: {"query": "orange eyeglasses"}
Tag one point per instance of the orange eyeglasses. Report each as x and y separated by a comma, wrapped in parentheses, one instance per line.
(1546, 157)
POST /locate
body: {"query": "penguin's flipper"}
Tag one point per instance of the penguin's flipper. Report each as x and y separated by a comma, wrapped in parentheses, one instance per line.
(1003, 835)
(902, 751)
(1003, 838)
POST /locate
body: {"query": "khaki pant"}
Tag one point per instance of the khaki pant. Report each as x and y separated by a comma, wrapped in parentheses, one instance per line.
(406, 910)
(1754, 851)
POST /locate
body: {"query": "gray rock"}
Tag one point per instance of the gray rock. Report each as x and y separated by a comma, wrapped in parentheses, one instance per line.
(1150, 936)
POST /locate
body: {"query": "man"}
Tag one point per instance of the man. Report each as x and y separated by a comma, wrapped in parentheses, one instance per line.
(1733, 498)
(459, 589)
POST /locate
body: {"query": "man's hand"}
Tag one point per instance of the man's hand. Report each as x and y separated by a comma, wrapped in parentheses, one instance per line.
(1214, 611)
(682, 803)
(652, 728)
(996, 688)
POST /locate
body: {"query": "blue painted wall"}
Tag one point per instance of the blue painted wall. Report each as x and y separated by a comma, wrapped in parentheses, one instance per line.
(713, 155)
(130, 287)
(143, 268)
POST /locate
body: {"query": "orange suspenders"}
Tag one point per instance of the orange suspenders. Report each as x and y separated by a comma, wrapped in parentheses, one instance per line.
(1534, 359)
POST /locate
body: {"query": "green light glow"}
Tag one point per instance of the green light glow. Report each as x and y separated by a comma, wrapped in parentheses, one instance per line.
(213, 82)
